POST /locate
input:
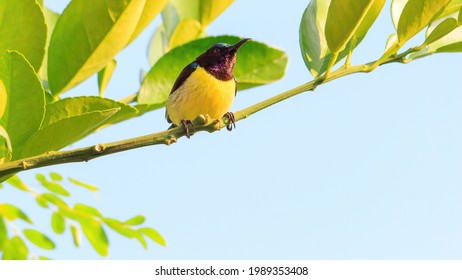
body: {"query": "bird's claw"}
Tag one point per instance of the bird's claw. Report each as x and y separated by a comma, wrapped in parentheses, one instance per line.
(185, 124)
(232, 121)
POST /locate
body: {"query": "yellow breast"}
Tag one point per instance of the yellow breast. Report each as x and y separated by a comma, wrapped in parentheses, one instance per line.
(201, 93)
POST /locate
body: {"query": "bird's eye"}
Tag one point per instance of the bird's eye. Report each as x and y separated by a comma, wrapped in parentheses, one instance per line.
(216, 51)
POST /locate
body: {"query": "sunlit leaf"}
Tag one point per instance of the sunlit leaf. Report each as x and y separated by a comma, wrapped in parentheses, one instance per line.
(96, 235)
(16, 182)
(256, 64)
(51, 18)
(5, 145)
(350, 13)
(24, 94)
(11, 213)
(39, 239)
(442, 30)
(137, 220)
(81, 184)
(58, 224)
(158, 45)
(55, 176)
(211, 9)
(91, 211)
(416, 15)
(104, 76)
(23, 29)
(78, 49)
(451, 42)
(150, 11)
(153, 235)
(120, 227)
(64, 132)
(49, 197)
(3, 99)
(15, 249)
(186, 31)
(75, 236)
(51, 186)
(3, 233)
(397, 7)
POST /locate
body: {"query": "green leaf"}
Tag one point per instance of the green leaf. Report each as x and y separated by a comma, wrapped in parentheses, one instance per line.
(397, 7)
(120, 227)
(3, 233)
(5, 145)
(452, 42)
(104, 76)
(15, 249)
(11, 213)
(55, 176)
(459, 19)
(137, 220)
(39, 239)
(53, 199)
(416, 15)
(96, 235)
(3, 99)
(343, 20)
(91, 211)
(186, 31)
(313, 45)
(158, 45)
(58, 223)
(24, 94)
(23, 29)
(51, 186)
(257, 64)
(42, 258)
(16, 182)
(150, 11)
(78, 49)
(441, 30)
(81, 184)
(66, 131)
(211, 9)
(75, 236)
(153, 235)
(42, 202)
(75, 106)
(51, 18)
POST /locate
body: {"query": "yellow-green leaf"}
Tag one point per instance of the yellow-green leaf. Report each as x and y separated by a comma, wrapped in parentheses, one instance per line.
(187, 30)
(15, 249)
(96, 235)
(137, 220)
(104, 76)
(16, 182)
(343, 20)
(24, 94)
(120, 227)
(51, 18)
(441, 30)
(87, 37)
(6, 150)
(23, 29)
(151, 9)
(84, 185)
(158, 45)
(211, 9)
(88, 210)
(3, 99)
(51, 186)
(416, 15)
(55, 176)
(397, 7)
(58, 223)
(11, 213)
(451, 42)
(75, 235)
(3, 233)
(39, 239)
(153, 235)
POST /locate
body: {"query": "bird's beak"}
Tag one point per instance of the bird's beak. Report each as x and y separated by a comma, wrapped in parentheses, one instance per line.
(236, 46)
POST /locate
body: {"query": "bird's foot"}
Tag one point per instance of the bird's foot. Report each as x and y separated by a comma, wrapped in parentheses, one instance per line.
(231, 121)
(185, 124)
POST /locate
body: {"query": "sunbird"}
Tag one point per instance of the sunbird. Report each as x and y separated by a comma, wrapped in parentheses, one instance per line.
(206, 86)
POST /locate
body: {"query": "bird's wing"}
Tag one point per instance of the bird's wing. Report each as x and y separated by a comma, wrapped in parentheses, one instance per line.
(180, 80)
(184, 75)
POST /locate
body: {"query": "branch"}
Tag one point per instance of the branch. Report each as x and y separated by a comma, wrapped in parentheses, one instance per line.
(167, 137)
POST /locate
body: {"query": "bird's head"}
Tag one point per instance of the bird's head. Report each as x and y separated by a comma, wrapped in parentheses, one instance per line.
(220, 58)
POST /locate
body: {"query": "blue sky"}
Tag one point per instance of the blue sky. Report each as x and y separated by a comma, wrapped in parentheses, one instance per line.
(366, 167)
